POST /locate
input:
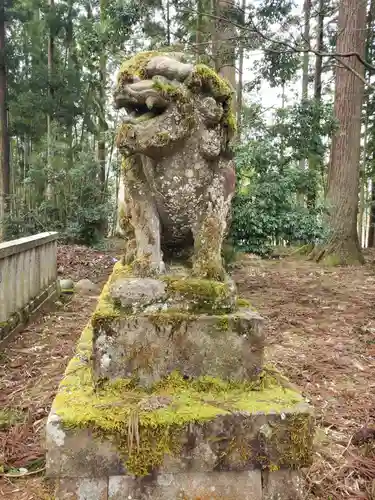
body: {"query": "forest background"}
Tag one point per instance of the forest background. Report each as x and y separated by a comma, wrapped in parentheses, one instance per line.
(305, 101)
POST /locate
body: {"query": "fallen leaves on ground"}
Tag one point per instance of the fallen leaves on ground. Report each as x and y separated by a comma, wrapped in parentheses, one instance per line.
(31, 368)
(320, 325)
(80, 262)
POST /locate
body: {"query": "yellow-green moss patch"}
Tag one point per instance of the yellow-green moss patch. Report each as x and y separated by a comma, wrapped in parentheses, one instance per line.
(170, 91)
(118, 411)
(241, 302)
(136, 66)
(200, 295)
(206, 79)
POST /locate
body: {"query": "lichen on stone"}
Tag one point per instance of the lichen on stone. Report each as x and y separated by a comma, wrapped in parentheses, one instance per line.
(118, 410)
(180, 114)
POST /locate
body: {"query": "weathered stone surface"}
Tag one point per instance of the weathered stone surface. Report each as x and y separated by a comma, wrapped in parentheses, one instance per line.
(227, 442)
(66, 285)
(150, 346)
(136, 293)
(82, 489)
(189, 486)
(178, 172)
(284, 485)
(79, 452)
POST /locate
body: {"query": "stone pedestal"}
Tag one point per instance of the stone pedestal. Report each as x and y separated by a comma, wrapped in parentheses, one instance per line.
(164, 400)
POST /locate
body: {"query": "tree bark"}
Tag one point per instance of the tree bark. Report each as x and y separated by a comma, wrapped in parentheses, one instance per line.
(226, 43)
(102, 121)
(313, 165)
(343, 246)
(198, 31)
(319, 48)
(371, 230)
(305, 71)
(168, 12)
(51, 42)
(103, 83)
(240, 74)
(4, 137)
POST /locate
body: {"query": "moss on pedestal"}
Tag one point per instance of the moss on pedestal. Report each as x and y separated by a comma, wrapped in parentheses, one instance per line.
(144, 431)
(201, 295)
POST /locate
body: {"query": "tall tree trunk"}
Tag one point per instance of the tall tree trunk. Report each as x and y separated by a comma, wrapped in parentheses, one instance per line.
(305, 57)
(198, 31)
(313, 165)
(371, 230)
(103, 82)
(240, 71)
(214, 34)
(369, 105)
(102, 121)
(51, 42)
(343, 174)
(4, 137)
(70, 58)
(363, 178)
(226, 46)
(305, 71)
(168, 20)
(319, 48)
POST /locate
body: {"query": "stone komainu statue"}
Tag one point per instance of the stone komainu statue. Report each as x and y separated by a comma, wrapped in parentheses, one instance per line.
(178, 168)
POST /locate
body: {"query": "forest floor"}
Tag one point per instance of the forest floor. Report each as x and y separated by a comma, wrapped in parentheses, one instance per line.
(320, 325)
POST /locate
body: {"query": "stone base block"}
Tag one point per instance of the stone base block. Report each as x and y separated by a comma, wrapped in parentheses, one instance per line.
(148, 347)
(250, 485)
(224, 440)
(146, 328)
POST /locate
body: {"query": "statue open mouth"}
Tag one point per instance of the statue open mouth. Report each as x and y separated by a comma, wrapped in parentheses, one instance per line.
(145, 99)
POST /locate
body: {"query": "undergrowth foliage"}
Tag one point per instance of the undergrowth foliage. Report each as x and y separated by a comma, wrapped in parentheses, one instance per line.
(78, 205)
(270, 205)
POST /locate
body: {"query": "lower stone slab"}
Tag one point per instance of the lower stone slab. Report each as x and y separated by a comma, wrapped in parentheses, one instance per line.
(283, 484)
(238, 441)
(82, 489)
(250, 485)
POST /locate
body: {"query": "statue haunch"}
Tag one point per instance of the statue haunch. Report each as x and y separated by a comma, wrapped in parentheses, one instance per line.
(178, 171)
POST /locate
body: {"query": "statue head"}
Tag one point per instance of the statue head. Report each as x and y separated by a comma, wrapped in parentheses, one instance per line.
(168, 99)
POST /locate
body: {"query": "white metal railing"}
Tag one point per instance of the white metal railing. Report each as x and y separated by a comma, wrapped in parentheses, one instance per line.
(28, 276)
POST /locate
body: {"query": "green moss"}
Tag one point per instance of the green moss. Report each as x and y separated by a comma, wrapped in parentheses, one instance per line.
(229, 119)
(143, 431)
(208, 262)
(135, 66)
(106, 309)
(124, 130)
(142, 267)
(241, 302)
(162, 139)
(332, 260)
(170, 91)
(200, 295)
(223, 323)
(292, 440)
(145, 425)
(204, 78)
(170, 318)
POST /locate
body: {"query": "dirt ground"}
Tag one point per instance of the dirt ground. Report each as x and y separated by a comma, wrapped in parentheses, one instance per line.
(320, 325)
